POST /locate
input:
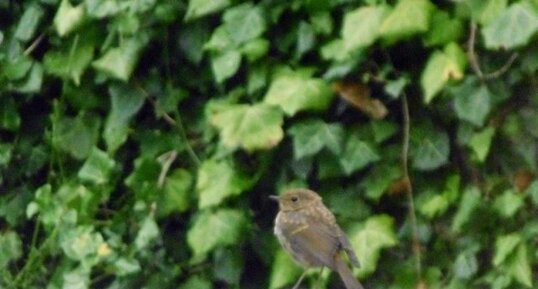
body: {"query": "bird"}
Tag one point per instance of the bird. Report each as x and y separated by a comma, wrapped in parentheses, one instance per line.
(308, 231)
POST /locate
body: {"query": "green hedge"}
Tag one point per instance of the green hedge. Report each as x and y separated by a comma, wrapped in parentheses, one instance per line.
(139, 140)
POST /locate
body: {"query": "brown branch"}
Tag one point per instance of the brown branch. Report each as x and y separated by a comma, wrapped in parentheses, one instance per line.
(475, 63)
(166, 161)
(409, 188)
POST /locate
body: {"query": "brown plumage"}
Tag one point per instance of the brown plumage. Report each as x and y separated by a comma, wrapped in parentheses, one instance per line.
(309, 232)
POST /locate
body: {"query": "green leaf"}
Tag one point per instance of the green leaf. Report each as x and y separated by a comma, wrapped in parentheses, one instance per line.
(306, 38)
(284, 271)
(199, 8)
(361, 26)
(357, 154)
(368, 240)
(11, 246)
(379, 180)
(443, 29)
(76, 136)
(225, 65)
(68, 17)
(214, 229)
(17, 68)
(382, 130)
(244, 22)
(465, 265)
(177, 192)
(255, 49)
(408, 18)
(29, 22)
(125, 266)
(149, 231)
(441, 68)
(312, 135)
(252, 127)
(434, 205)
(6, 151)
(70, 64)
(504, 247)
(76, 279)
(218, 180)
(102, 8)
(81, 244)
(480, 143)
(470, 201)
(144, 177)
(196, 282)
(294, 92)
(121, 61)
(125, 102)
(485, 11)
(9, 115)
(508, 204)
(514, 27)
(98, 167)
(519, 267)
(429, 148)
(533, 192)
(472, 102)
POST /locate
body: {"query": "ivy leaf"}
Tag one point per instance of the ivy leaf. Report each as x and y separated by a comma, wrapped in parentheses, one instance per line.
(9, 115)
(68, 17)
(225, 65)
(508, 204)
(466, 264)
(294, 92)
(519, 267)
(212, 229)
(218, 180)
(472, 102)
(252, 127)
(125, 102)
(244, 22)
(357, 154)
(429, 148)
(361, 26)
(379, 180)
(284, 271)
(504, 247)
(78, 278)
(196, 282)
(199, 8)
(29, 22)
(481, 141)
(443, 29)
(148, 232)
(368, 240)
(312, 135)
(76, 136)
(442, 67)
(514, 27)
(409, 17)
(70, 64)
(469, 202)
(82, 244)
(177, 193)
(485, 11)
(97, 168)
(120, 62)
(11, 248)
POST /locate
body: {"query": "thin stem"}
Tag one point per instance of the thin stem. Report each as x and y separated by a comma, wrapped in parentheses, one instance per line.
(409, 187)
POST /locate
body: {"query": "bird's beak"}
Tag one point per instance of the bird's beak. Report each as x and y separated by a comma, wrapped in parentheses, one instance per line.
(274, 197)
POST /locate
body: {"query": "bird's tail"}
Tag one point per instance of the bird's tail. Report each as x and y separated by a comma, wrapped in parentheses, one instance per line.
(346, 275)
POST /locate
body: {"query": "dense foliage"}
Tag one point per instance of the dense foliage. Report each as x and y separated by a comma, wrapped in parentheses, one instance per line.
(139, 140)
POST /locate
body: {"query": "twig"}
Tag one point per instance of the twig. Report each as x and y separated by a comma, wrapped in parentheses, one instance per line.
(166, 161)
(474, 62)
(34, 44)
(409, 187)
(174, 122)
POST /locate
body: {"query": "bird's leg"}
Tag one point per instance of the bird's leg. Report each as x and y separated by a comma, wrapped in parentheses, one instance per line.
(318, 283)
(300, 280)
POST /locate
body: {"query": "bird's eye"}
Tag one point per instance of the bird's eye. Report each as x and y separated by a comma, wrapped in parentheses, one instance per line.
(294, 199)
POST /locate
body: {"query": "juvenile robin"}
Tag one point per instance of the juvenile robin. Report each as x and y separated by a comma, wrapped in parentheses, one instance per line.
(308, 232)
